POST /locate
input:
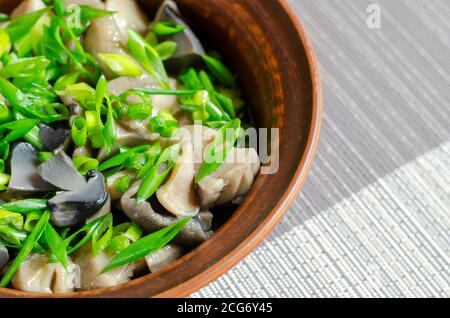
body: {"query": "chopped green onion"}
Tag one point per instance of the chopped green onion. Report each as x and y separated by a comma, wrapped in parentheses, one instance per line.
(83, 94)
(121, 159)
(6, 114)
(85, 164)
(44, 156)
(123, 184)
(192, 80)
(137, 110)
(147, 56)
(34, 135)
(102, 235)
(26, 67)
(218, 150)
(5, 43)
(94, 129)
(151, 38)
(152, 155)
(21, 25)
(158, 173)
(88, 229)
(56, 244)
(25, 206)
(12, 235)
(12, 219)
(164, 124)
(146, 245)
(26, 249)
(66, 80)
(31, 220)
(166, 49)
(220, 71)
(167, 28)
(120, 64)
(79, 131)
(109, 129)
(17, 128)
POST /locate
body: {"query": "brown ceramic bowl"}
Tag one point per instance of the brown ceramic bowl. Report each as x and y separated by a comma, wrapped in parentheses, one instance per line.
(269, 50)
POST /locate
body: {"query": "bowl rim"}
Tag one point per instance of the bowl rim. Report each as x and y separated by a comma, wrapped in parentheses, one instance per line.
(267, 225)
(244, 248)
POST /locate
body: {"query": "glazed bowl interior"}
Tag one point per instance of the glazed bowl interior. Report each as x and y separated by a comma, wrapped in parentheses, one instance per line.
(276, 70)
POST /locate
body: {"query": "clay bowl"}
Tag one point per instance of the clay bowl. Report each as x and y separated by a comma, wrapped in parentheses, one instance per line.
(270, 51)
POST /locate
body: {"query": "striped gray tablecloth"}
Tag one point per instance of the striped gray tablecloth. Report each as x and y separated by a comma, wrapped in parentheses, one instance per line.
(373, 219)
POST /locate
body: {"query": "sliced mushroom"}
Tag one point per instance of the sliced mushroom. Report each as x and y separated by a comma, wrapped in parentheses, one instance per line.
(60, 172)
(24, 171)
(103, 36)
(128, 16)
(70, 208)
(4, 256)
(177, 195)
(91, 3)
(53, 138)
(36, 274)
(194, 233)
(164, 257)
(81, 200)
(233, 178)
(27, 6)
(91, 267)
(189, 47)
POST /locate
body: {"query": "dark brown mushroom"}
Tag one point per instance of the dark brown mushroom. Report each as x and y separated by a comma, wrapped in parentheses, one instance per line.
(24, 171)
(82, 198)
(194, 233)
(189, 47)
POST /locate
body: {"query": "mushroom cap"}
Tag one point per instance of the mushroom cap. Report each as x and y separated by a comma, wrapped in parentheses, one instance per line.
(73, 207)
(177, 195)
(91, 267)
(27, 6)
(24, 170)
(82, 198)
(164, 257)
(233, 178)
(189, 47)
(36, 274)
(60, 172)
(53, 138)
(195, 232)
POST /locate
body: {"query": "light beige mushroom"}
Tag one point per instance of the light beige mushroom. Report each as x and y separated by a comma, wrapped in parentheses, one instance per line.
(91, 267)
(35, 274)
(128, 15)
(177, 195)
(103, 36)
(27, 6)
(91, 3)
(114, 193)
(164, 257)
(233, 178)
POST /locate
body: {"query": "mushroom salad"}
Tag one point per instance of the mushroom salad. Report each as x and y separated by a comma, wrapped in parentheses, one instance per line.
(118, 138)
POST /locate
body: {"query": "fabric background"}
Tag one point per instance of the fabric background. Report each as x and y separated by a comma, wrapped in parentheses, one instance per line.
(373, 219)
